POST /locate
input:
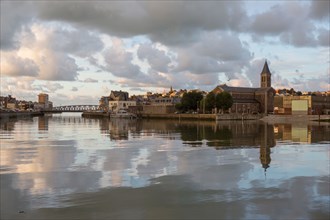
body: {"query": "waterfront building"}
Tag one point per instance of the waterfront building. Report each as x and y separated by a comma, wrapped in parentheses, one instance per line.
(43, 102)
(251, 100)
(43, 98)
(302, 105)
(119, 100)
(165, 101)
(8, 102)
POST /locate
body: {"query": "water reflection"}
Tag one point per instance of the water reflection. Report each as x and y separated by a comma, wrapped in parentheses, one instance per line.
(302, 133)
(75, 155)
(43, 123)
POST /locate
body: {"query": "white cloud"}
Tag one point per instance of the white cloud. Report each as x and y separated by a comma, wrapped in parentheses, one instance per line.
(119, 61)
(90, 80)
(14, 65)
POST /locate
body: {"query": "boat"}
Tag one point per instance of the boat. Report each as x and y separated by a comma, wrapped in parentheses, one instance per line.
(122, 113)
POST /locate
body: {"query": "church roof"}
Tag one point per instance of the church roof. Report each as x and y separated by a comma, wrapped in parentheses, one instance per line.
(229, 89)
(265, 69)
(226, 88)
(119, 95)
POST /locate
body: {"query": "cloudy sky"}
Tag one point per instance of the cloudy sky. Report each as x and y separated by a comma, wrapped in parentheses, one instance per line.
(78, 51)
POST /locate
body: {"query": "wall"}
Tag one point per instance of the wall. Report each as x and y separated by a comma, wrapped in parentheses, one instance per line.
(158, 109)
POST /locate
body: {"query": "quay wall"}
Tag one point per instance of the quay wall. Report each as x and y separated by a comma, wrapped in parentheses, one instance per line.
(234, 116)
(95, 114)
(180, 116)
(19, 114)
(294, 118)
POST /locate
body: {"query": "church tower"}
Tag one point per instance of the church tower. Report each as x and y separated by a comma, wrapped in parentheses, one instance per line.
(265, 80)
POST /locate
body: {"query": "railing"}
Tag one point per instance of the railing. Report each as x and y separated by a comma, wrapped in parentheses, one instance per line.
(74, 108)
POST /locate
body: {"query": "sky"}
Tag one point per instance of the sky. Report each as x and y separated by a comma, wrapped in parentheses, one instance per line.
(77, 51)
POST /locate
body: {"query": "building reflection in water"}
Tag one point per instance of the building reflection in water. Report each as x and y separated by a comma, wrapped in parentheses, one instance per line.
(43, 123)
(266, 143)
(118, 129)
(154, 149)
(293, 133)
(224, 135)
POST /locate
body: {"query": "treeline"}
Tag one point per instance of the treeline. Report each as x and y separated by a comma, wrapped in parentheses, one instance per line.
(195, 102)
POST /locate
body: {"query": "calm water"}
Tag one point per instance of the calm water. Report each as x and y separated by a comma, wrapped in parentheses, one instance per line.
(68, 167)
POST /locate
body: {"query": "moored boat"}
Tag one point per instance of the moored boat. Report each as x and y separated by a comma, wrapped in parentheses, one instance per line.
(122, 113)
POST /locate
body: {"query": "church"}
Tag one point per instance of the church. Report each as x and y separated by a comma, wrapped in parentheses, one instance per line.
(248, 100)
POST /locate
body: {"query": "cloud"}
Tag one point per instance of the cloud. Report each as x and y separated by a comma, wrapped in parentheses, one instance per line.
(324, 37)
(168, 22)
(147, 44)
(90, 80)
(77, 42)
(156, 58)
(10, 86)
(27, 88)
(320, 9)
(254, 70)
(35, 54)
(119, 61)
(15, 16)
(48, 87)
(47, 52)
(13, 65)
(313, 84)
(282, 21)
(215, 53)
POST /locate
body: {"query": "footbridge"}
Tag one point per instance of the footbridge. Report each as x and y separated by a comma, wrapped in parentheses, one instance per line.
(73, 108)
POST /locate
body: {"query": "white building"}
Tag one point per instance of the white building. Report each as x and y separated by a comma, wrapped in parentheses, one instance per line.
(115, 105)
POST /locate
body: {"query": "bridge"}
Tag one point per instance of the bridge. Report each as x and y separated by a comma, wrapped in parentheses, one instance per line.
(73, 108)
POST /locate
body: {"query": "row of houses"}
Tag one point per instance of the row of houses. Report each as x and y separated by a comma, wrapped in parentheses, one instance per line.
(246, 100)
(11, 103)
(150, 103)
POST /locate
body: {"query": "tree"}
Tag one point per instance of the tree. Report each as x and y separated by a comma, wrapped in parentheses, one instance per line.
(209, 101)
(190, 101)
(223, 101)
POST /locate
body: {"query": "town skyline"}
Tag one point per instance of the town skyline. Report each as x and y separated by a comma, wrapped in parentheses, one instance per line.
(80, 51)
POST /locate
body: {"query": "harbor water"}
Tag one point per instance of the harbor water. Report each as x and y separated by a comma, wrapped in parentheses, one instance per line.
(63, 166)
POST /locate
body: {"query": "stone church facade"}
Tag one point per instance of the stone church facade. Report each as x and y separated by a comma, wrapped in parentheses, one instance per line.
(251, 100)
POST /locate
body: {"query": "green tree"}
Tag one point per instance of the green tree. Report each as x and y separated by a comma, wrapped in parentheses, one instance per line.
(223, 101)
(190, 101)
(209, 101)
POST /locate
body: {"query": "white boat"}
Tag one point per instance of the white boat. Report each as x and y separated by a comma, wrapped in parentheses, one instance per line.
(122, 113)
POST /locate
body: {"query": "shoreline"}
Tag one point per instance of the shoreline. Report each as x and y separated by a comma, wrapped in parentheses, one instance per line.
(4, 115)
(296, 118)
(225, 117)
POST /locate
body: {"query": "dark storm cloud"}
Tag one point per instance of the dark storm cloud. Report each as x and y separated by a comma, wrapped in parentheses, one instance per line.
(169, 22)
(77, 42)
(156, 58)
(320, 9)
(324, 37)
(215, 52)
(272, 22)
(292, 23)
(14, 17)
